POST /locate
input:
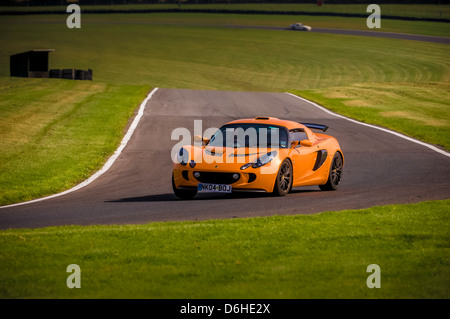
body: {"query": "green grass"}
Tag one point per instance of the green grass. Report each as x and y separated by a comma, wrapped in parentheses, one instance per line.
(132, 49)
(56, 133)
(417, 11)
(202, 19)
(315, 256)
(416, 109)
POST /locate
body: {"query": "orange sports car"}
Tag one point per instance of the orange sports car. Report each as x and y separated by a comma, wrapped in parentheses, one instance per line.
(264, 154)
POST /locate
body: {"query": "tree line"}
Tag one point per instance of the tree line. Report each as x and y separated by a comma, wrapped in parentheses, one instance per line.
(181, 2)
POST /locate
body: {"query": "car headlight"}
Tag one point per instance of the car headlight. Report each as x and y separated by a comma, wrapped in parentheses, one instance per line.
(183, 157)
(261, 161)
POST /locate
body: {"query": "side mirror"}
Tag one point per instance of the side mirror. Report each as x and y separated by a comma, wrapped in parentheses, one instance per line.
(306, 143)
(197, 139)
(294, 144)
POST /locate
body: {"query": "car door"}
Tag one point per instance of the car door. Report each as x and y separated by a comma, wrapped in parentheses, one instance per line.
(303, 157)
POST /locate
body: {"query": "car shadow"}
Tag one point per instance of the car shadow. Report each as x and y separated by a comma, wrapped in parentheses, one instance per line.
(170, 197)
(173, 198)
(148, 198)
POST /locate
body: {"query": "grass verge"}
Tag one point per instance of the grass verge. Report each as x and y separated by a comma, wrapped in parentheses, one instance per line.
(315, 256)
(139, 49)
(416, 109)
(432, 11)
(56, 133)
(284, 19)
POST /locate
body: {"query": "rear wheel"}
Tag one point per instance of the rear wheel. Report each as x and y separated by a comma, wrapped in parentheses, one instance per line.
(183, 193)
(283, 182)
(335, 175)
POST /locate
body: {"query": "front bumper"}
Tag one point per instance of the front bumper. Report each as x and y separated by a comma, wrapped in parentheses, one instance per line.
(251, 179)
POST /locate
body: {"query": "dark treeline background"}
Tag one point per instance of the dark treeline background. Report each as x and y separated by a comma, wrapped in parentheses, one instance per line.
(181, 2)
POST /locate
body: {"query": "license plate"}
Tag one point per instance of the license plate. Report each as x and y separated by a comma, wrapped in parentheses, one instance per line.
(215, 188)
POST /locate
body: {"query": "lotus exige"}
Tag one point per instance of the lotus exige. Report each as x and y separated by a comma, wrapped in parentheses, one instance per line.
(264, 154)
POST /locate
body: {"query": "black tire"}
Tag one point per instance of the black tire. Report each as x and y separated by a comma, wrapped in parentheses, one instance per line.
(335, 175)
(183, 193)
(283, 182)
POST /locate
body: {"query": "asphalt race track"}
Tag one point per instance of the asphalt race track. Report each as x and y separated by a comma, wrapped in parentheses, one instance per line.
(363, 33)
(390, 35)
(380, 168)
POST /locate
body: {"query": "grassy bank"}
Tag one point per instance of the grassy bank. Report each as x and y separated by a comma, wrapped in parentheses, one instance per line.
(317, 256)
(56, 133)
(137, 49)
(203, 19)
(416, 109)
(415, 11)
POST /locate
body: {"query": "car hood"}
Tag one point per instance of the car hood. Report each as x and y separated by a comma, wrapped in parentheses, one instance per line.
(233, 156)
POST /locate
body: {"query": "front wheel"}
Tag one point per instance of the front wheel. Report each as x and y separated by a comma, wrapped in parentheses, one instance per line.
(283, 182)
(183, 193)
(335, 175)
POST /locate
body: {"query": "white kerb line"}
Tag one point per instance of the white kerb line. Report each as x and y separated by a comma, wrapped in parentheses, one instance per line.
(108, 163)
(432, 147)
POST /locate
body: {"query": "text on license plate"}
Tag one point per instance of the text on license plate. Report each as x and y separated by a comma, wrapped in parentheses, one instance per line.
(219, 188)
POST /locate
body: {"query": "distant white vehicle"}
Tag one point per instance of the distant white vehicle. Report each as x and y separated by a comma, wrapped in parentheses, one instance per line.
(300, 27)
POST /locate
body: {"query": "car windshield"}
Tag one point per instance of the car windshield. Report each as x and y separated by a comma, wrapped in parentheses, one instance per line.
(250, 135)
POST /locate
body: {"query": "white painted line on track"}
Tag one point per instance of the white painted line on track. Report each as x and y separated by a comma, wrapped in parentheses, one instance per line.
(432, 147)
(108, 163)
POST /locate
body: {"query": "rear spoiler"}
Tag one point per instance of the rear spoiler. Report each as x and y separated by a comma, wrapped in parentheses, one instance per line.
(316, 126)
